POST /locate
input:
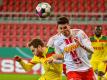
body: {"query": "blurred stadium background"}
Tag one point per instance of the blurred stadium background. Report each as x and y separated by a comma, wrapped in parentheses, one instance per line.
(19, 24)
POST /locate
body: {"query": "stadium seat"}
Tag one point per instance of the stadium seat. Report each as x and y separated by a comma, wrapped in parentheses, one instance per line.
(62, 4)
(1, 42)
(65, 6)
(55, 7)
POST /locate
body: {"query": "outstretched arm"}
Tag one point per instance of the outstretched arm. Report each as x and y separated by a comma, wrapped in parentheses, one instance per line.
(88, 49)
(26, 66)
(85, 42)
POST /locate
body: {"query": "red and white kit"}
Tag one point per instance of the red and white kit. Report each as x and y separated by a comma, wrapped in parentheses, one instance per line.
(76, 61)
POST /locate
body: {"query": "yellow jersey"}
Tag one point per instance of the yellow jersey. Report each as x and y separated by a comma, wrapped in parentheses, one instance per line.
(53, 71)
(100, 48)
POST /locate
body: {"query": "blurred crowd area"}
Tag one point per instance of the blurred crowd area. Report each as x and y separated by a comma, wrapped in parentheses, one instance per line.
(19, 22)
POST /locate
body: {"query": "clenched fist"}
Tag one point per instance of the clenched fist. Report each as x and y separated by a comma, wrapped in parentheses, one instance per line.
(17, 58)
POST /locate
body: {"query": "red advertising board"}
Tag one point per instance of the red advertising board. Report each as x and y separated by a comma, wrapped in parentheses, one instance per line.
(8, 65)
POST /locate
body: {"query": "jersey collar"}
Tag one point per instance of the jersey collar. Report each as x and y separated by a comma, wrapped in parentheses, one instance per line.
(97, 37)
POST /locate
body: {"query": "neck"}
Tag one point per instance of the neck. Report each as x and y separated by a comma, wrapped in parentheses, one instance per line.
(98, 36)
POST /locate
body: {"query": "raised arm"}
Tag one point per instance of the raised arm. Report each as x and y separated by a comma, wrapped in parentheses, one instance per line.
(84, 42)
(81, 40)
(28, 66)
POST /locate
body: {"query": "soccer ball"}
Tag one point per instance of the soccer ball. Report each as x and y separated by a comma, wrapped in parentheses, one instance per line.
(43, 9)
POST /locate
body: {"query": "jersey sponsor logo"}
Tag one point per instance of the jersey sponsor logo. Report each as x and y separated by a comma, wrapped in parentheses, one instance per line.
(93, 40)
(98, 40)
(98, 48)
(102, 40)
(74, 54)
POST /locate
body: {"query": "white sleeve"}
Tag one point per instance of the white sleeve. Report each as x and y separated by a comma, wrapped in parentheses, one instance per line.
(58, 50)
(51, 42)
(84, 40)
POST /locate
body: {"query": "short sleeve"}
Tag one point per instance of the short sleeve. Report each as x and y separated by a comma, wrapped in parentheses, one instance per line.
(51, 42)
(58, 50)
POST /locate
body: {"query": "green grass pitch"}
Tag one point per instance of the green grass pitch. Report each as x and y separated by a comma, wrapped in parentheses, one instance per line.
(21, 77)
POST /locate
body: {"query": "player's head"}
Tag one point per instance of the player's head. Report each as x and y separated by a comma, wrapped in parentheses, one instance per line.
(36, 45)
(63, 26)
(98, 30)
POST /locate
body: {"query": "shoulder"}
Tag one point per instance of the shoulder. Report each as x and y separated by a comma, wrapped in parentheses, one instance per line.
(55, 36)
(92, 38)
(35, 59)
(104, 37)
(77, 31)
(53, 39)
(59, 40)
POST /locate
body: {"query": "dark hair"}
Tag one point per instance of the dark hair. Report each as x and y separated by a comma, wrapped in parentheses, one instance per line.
(35, 43)
(98, 26)
(63, 20)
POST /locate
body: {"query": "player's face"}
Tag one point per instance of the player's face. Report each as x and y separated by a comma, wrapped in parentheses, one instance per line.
(37, 51)
(64, 29)
(98, 31)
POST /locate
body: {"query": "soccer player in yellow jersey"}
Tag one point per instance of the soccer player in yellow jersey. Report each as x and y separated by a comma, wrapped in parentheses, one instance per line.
(43, 55)
(99, 43)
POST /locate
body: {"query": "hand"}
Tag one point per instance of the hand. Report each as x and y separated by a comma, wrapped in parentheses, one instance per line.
(77, 41)
(17, 58)
(58, 56)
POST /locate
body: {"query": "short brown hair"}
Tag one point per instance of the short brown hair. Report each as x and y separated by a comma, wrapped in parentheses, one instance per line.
(63, 20)
(35, 43)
